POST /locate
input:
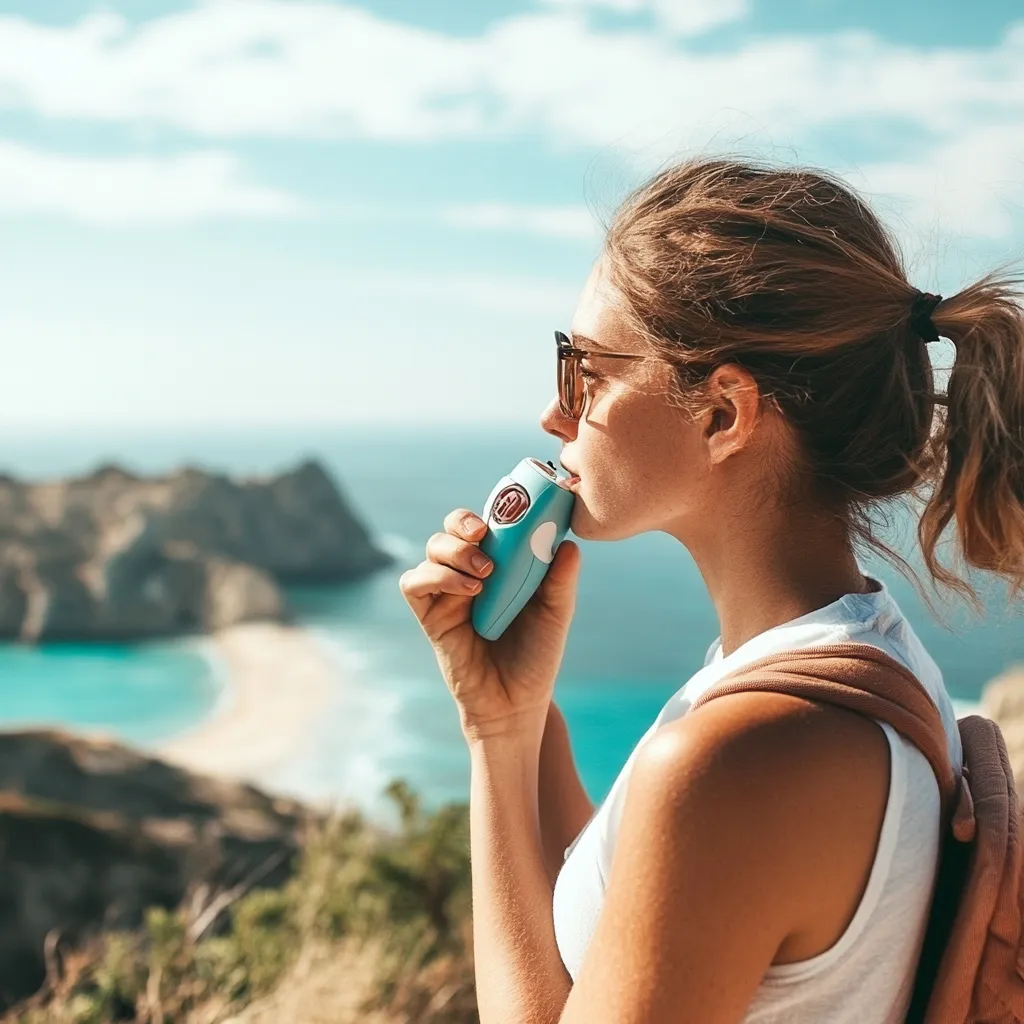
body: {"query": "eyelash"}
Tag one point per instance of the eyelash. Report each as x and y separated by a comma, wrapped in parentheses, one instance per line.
(588, 376)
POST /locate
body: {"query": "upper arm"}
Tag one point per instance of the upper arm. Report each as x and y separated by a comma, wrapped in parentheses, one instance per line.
(563, 803)
(744, 822)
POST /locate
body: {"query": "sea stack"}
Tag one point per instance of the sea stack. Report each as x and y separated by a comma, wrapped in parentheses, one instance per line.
(113, 555)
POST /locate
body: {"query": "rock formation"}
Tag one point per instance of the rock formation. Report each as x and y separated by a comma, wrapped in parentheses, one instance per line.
(114, 556)
(93, 833)
(1003, 702)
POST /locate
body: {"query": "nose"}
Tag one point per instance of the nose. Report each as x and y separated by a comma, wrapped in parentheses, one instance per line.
(554, 421)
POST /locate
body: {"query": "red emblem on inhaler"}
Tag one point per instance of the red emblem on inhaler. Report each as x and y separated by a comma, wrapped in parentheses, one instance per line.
(510, 505)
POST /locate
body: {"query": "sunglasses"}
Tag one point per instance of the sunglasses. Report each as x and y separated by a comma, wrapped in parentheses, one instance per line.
(572, 391)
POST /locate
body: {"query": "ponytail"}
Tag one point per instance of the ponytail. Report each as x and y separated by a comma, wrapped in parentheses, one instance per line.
(978, 448)
(788, 273)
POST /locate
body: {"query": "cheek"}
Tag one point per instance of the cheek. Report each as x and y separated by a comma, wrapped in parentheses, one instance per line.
(649, 441)
(633, 464)
(602, 495)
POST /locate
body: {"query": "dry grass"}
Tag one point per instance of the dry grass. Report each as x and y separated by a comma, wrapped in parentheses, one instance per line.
(374, 928)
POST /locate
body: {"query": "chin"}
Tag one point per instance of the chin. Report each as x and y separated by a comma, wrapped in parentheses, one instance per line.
(586, 526)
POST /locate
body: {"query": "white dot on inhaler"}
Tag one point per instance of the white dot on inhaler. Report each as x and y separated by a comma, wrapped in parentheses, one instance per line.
(542, 539)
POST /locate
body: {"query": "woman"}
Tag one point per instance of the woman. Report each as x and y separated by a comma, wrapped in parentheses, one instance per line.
(748, 372)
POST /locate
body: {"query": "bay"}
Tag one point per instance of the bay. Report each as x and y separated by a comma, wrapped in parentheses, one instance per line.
(643, 621)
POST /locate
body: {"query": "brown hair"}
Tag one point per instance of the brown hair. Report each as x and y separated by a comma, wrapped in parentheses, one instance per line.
(787, 273)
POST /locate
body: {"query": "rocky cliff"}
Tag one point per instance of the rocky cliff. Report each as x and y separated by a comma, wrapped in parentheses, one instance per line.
(113, 555)
(93, 833)
(1003, 702)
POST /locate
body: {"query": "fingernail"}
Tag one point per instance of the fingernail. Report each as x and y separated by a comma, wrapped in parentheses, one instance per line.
(481, 562)
(471, 523)
(473, 585)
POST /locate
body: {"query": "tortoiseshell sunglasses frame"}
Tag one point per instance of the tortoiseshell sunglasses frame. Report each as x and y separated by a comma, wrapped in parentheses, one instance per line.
(572, 396)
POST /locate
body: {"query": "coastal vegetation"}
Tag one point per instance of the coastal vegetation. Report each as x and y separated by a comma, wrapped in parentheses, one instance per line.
(374, 925)
(289, 916)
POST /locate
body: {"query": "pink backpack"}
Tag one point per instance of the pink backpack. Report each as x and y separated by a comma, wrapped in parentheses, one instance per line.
(971, 969)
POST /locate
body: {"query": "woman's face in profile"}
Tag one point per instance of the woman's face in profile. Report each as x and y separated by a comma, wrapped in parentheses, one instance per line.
(640, 460)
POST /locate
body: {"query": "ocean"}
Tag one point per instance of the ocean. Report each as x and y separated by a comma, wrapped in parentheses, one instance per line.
(643, 622)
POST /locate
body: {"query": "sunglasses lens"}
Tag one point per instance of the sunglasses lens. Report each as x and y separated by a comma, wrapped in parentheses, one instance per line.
(568, 385)
(570, 391)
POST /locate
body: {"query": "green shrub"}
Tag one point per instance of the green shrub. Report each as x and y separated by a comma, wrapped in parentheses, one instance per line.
(408, 891)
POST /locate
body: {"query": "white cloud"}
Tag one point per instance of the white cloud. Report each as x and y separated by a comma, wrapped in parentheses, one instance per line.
(234, 68)
(505, 296)
(973, 184)
(245, 67)
(571, 221)
(680, 17)
(230, 69)
(133, 189)
(638, 90)
(549, 221)
(689, 17)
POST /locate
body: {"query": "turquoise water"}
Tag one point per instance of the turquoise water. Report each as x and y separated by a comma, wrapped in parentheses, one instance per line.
(144, 693)
(642, 626)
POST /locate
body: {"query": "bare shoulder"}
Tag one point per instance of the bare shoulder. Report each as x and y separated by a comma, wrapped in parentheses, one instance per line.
(767, 730)
(806, 783)
(747, 836)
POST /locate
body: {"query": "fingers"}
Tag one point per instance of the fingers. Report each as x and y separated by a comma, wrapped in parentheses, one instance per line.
(454, 563)
(458, 554)
(556, 595)
(430, 578)
(465, 525)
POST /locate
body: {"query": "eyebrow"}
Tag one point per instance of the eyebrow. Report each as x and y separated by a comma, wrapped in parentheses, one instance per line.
(598, 351)
(582, 341)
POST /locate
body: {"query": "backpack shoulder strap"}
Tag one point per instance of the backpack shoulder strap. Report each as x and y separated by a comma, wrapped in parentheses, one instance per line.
(862, 678)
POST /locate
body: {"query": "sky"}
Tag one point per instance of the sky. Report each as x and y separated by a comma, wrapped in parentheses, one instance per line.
(292, 212)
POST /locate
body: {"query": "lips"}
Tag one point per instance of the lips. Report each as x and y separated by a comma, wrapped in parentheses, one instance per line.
(570, 482)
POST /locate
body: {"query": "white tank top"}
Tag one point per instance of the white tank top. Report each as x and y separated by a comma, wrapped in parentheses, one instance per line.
(867, 976)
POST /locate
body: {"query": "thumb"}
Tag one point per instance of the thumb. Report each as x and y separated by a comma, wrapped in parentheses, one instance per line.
(557, 593)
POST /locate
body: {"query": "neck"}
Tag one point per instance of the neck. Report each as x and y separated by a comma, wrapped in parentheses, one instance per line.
(763, 577)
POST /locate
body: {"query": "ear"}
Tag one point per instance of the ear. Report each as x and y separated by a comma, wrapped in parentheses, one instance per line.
(734, 405)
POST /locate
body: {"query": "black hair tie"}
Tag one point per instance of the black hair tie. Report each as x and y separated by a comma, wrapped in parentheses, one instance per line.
(921, 315)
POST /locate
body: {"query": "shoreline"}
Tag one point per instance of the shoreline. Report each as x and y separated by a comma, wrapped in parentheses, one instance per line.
(276, 681)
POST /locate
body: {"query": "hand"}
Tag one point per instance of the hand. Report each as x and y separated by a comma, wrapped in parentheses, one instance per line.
(503, 685)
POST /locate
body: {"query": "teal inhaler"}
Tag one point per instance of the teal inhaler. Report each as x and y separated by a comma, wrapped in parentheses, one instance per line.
(527, 516)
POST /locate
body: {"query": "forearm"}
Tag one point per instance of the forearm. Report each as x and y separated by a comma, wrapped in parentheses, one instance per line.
(520, 978)
(564, 805)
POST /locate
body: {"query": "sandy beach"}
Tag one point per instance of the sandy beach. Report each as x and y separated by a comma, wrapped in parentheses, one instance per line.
(278, 682)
